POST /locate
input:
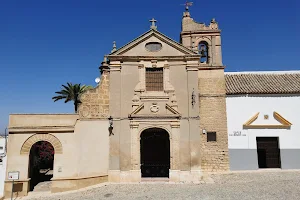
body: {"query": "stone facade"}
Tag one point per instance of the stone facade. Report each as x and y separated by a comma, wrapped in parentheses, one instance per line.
(212, 92)
(193, 33)
(212, 97)
(95, 102)
(103, 141)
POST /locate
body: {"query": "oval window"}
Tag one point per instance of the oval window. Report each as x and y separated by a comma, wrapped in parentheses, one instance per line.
(153, 46)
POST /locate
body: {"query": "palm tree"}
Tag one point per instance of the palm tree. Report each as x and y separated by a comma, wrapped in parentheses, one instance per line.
(71, 93)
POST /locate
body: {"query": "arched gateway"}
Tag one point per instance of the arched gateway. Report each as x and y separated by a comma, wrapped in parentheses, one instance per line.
(41, 149)
(41, 159)
(155, 153)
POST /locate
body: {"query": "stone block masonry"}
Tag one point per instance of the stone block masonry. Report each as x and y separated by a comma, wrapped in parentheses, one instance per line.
(212, 94)
(95, 102)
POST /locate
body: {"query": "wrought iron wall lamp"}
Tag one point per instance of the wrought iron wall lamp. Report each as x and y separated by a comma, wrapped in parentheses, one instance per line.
(193, 98)
(111, 125)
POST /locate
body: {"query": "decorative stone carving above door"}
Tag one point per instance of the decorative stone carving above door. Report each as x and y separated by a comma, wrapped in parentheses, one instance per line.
(154, 108)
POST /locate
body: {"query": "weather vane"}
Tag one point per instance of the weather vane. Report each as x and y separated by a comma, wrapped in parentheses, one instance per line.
(187, 4)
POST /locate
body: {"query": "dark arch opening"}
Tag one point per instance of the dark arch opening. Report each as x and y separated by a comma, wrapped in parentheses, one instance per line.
(203, 51)
(155, 153)
(41, 159)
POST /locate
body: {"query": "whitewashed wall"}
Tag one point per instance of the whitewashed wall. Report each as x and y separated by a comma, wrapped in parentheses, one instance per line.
(2, 165)
(243, 148)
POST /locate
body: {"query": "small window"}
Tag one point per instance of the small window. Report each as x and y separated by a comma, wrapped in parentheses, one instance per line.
(1, 148)
(154, 79)
(153, 46)
(211, 136)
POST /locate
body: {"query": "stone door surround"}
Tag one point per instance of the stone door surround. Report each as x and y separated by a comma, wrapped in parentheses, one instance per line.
(172, 127)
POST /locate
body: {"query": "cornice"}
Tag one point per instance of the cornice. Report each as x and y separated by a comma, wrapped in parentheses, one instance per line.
(149, 58)
(218, 31)
(41, 129)
(145, 116)
(210, 67)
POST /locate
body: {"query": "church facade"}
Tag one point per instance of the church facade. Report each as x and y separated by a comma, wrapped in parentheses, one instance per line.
(158, 111)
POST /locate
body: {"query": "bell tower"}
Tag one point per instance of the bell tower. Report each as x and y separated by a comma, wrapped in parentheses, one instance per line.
(206, 40)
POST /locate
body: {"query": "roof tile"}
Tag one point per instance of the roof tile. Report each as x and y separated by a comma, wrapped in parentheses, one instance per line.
(253, 83)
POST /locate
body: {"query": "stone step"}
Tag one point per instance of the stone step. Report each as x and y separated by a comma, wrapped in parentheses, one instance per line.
(155, 180)
(38, 193)
(43, 186)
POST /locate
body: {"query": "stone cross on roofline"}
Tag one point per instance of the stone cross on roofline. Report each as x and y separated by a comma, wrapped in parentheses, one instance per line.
(153, 25)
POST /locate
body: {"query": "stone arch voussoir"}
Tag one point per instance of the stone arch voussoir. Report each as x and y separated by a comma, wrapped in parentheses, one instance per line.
(159, 127)
(203, 39)
(25, 149)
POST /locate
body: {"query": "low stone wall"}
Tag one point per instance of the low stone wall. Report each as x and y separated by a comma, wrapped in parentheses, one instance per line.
(21, 188)
(62, 185)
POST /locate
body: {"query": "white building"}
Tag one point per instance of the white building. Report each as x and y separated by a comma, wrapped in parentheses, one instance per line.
(3, 158)
(263, 114)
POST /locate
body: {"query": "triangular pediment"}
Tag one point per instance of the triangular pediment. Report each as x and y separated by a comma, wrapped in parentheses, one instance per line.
(277, 122)
(137, 46)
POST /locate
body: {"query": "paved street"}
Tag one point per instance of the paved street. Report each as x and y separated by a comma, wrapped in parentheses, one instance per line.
(235, 186)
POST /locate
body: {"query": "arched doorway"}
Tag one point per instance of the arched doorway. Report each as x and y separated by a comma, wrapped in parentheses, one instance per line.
(155, 153)
(41, 160)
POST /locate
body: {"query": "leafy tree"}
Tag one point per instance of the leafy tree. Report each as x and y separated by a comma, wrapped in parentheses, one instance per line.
(42, 154)
(71, 92)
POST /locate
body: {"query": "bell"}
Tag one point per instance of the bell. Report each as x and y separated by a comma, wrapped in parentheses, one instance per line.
(202, 50)
(202, 53)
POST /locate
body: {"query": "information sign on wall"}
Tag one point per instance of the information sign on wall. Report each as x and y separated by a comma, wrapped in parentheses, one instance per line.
(13, 175)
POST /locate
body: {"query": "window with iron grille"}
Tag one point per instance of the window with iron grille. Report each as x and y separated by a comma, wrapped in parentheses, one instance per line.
(211, 136)
(154, 79)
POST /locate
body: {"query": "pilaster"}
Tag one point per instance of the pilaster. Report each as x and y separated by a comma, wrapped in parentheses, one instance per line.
(175, 145)
(167, 85)
(141, 86)
(213, 50)
(135, 158)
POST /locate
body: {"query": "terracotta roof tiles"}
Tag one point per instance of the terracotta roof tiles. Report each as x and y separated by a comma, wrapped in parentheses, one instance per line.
(262, 83)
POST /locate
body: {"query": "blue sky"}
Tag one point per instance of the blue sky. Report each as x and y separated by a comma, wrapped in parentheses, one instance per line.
(46, 43)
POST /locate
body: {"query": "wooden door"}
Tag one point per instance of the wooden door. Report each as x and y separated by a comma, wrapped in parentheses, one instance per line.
(268, 152)
(155, 153)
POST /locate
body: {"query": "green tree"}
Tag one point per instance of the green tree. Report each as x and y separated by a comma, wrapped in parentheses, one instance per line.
(71, 92)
